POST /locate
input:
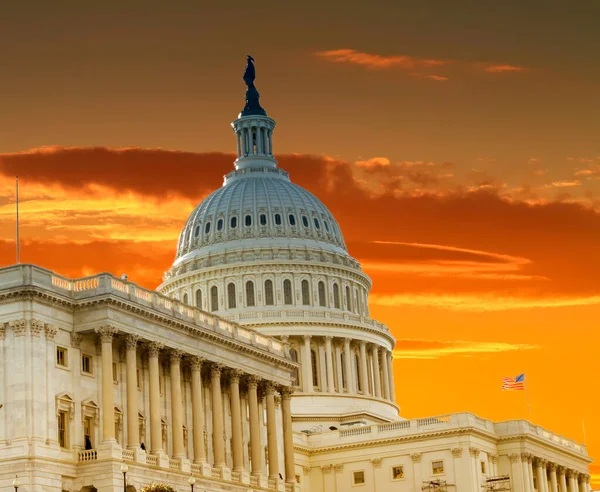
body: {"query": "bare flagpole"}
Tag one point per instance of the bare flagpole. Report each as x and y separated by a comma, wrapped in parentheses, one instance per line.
(583, 428)
(527, 397)
(18, 245)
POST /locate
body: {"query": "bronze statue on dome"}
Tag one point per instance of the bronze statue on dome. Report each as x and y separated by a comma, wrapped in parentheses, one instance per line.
(252, 106)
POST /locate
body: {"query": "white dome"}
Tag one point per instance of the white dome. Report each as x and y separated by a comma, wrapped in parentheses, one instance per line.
(259, 203)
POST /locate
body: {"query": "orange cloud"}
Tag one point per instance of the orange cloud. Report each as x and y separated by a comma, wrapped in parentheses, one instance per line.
(407, 348)
(371, 60)
(438, 78)
(503, 68)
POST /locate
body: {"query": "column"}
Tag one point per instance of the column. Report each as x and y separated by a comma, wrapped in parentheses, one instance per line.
(531, 472)
(376, 375)
(107, 333)
(197, 411)
(553, 481)
(572, 475)
(386, 375)
(516, 473)
(237, 451)
(582, 483)
(272, 432)
(307, 366)
(329, 364)
(217, 417)
(475, 470)
(350, 383)
(526, 477)
(176, 410)
(155, 426)
(390, 361)
(542, 478)
(255, 452)
(416, 459)
(363, 368)
(288, 438)
(562, 479)
(133, 427)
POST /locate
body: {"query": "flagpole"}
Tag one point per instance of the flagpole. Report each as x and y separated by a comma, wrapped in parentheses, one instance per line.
(583, 428)
(527, 398)
(18, 248)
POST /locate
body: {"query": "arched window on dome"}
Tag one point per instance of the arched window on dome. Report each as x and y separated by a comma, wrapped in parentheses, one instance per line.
(317, 224)
(263, 219)
(326, 225)
(296, 375)
(269, 299)
(231, 295)
(315, 368)
(348, 299)
(197, 231)
(185, 298)
(336, 296)
(321, 288)
(305, 221)
(343, 367)
(248, 220)
(292, 219)
(207, 228)
(214, 298)
(220, 225)
(358, 378)
(277, 219)
(250, 293)
(233, 222)
(287, 291)
(199, 298)
(305, 293)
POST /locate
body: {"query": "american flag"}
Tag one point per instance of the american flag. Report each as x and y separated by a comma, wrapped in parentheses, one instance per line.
(514, 384)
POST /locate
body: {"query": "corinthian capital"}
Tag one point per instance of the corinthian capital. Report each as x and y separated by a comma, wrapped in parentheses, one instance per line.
(235, 375)
(131, 341)
(175, 356)
(416, 457)
(457, 452)
(154, 348)
(106, 333)
(195, 362)
(286, 392)
(474, 451)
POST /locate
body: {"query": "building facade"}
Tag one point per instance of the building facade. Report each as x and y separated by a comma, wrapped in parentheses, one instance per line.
(254, 366)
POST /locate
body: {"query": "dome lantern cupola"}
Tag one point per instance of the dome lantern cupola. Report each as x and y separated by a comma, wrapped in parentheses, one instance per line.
(253, 128)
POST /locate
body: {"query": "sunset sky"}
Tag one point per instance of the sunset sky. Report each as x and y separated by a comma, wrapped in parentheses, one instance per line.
(457, 143)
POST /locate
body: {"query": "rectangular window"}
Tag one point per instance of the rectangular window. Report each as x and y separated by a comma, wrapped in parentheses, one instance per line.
(115, 373)
(87, 433)
(358, 477)
(297, 478)
(61, 357)
(437, 467)
(139, 378)
(483, 467)
(62, 429)
(397, 472)
(86, 364)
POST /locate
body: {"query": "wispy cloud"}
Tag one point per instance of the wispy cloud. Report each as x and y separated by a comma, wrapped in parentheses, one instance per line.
(371, 60)
(407, 348)
(502, 68)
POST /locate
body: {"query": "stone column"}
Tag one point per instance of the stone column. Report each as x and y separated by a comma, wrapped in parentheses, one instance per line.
(350, 383)
(562, 479)
(237, 451)
(272, 431)
(416, 459)
(107, 333)
(582, 483)
(390, 361)
(516, 472)
(475, 470)
(542, 478)
(133, 425)
(176, 410)
(337, 354)
(531, 473)
(553, 481)
(288, 438)
(307, 366)
(376, 375)
(386, 374)
(154, 375)
(197, 411)
(363, 368)
(526, 477)
(572, 475)
(255, 452)
(329, 363)
(217, 416)
(493, 460)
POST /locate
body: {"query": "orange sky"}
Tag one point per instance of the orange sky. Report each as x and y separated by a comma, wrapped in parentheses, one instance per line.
(457, 147)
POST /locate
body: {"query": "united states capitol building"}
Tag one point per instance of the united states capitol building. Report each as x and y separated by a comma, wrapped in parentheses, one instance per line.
(255, 366)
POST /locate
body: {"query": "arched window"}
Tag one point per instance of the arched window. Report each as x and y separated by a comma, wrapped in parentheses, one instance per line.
(220, 225)
(326, 225)
(248, 220)
(343, 366)
(305, 221)
(315, 368)
(294, 357)
(231, 296)
(185, 298)
(197, 231)
(214, 298)
(269, 299)
(277, 219)
(287, 291)
(199, 298)
(322, 294)
(348, 299)
(358, 377)
(305, 293)
(263, 219)
(317, 225)
(207, 228)
(336, 296)
(292, 219)
(233, 222)
(250, 293)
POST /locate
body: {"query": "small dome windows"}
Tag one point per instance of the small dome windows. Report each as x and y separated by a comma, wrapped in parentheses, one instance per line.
(197, 231)
(277, 219)
(248, 220)
(233, 222)
(207, 228)
(326, 224)
(292, 219)
(317, 224)
(263, 219)
(305, 221)
(220, 225)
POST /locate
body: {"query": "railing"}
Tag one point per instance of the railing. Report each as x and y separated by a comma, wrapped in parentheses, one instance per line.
(404, 424)
(128, 455)
(173, 464)
(215, 473)
(87, 455)
(151, 460)
(444, 419)
(355, 431)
